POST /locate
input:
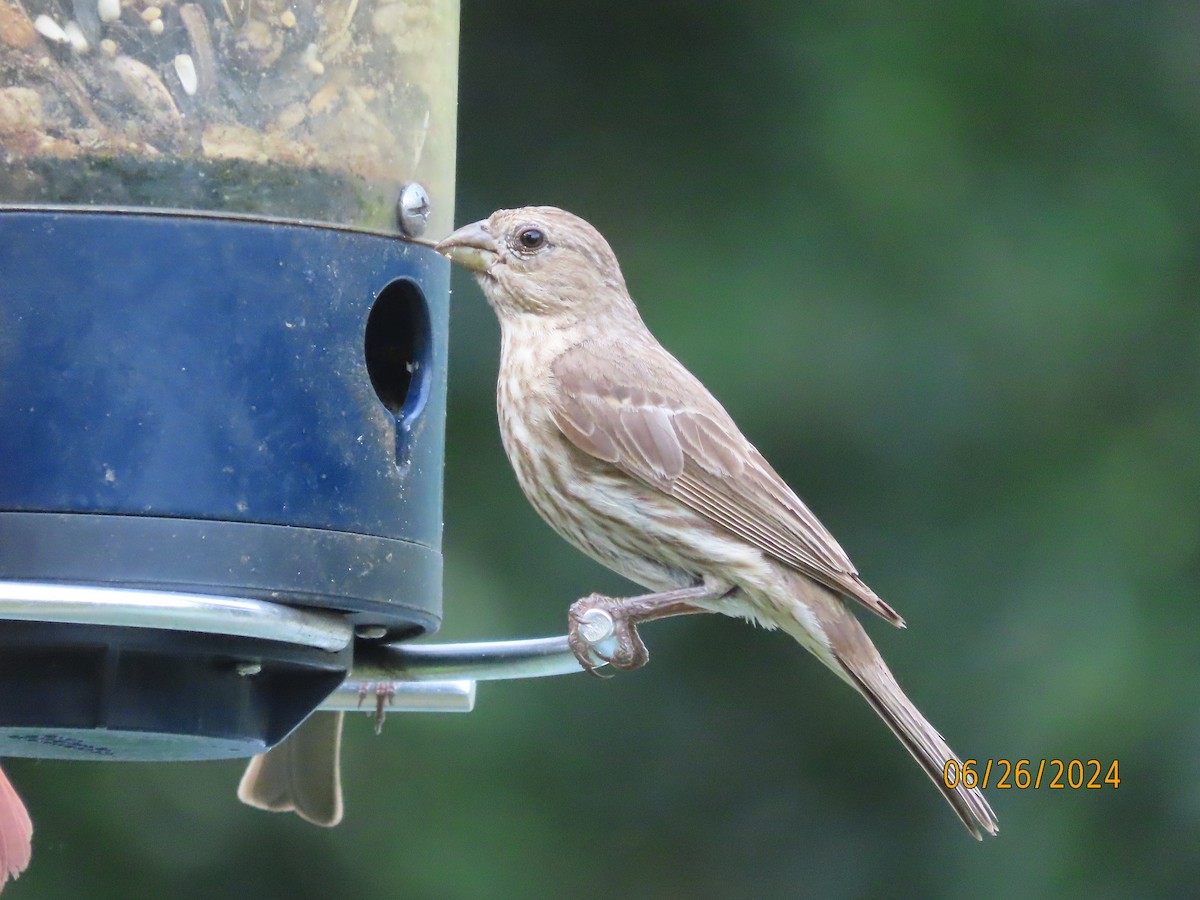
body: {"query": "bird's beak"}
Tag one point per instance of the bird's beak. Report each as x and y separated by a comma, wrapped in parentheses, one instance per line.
(470, 247)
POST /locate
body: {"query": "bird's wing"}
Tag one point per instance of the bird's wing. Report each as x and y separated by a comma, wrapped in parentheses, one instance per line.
(644, 413)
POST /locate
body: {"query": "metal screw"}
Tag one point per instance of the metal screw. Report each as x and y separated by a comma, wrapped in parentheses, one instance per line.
(412, 209)
(370, 632)
(248, 668)
(596, 625)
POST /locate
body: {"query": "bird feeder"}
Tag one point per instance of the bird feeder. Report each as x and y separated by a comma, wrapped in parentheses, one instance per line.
(222, 378)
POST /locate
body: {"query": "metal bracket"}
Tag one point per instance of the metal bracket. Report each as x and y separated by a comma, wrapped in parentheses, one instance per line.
(414, 677)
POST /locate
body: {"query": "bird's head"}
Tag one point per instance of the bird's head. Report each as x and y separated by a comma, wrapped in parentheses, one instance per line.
(540, 260)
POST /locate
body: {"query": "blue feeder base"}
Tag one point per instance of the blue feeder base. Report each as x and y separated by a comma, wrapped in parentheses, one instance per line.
(218, 406)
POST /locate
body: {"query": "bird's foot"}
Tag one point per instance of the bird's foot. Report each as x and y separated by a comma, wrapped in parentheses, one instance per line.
(603, 630)
(385, 695)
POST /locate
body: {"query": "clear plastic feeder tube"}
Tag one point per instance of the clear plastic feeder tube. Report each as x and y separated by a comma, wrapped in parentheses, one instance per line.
(316, 110)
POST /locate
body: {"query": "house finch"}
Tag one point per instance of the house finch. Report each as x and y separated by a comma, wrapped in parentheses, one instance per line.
(16, 833)
(627, 456)
(301, 773)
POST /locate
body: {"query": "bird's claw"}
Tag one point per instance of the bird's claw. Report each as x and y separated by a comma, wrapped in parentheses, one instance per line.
(385, 695)
(600, 630)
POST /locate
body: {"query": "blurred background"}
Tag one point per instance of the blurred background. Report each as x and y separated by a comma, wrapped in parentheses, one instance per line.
(943, 271)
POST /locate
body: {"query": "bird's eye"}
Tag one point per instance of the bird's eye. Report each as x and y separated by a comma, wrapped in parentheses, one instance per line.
(530, 238)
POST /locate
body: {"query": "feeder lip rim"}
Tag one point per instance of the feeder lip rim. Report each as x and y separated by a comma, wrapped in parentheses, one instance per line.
(214, 215)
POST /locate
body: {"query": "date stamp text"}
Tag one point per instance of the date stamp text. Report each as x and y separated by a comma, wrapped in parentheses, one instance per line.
(1026, 774)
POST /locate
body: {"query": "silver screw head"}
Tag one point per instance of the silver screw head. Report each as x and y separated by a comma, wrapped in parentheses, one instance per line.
(596, 625)
(412, 209)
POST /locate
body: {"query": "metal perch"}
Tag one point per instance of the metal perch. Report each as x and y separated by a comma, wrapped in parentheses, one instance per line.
(414, 677)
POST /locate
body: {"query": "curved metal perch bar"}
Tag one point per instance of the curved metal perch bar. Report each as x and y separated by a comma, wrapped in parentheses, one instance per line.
(170, 611)
(415, 677)
(483, 661)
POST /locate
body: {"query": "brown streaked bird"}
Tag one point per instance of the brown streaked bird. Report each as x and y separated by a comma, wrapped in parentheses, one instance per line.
(630, 458)
(301, 774)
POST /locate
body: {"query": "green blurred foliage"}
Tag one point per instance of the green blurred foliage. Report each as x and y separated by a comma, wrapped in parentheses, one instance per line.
(942, 268)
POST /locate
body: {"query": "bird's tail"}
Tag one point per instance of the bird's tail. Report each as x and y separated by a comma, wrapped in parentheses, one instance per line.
(854, 657)
(301, 773)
